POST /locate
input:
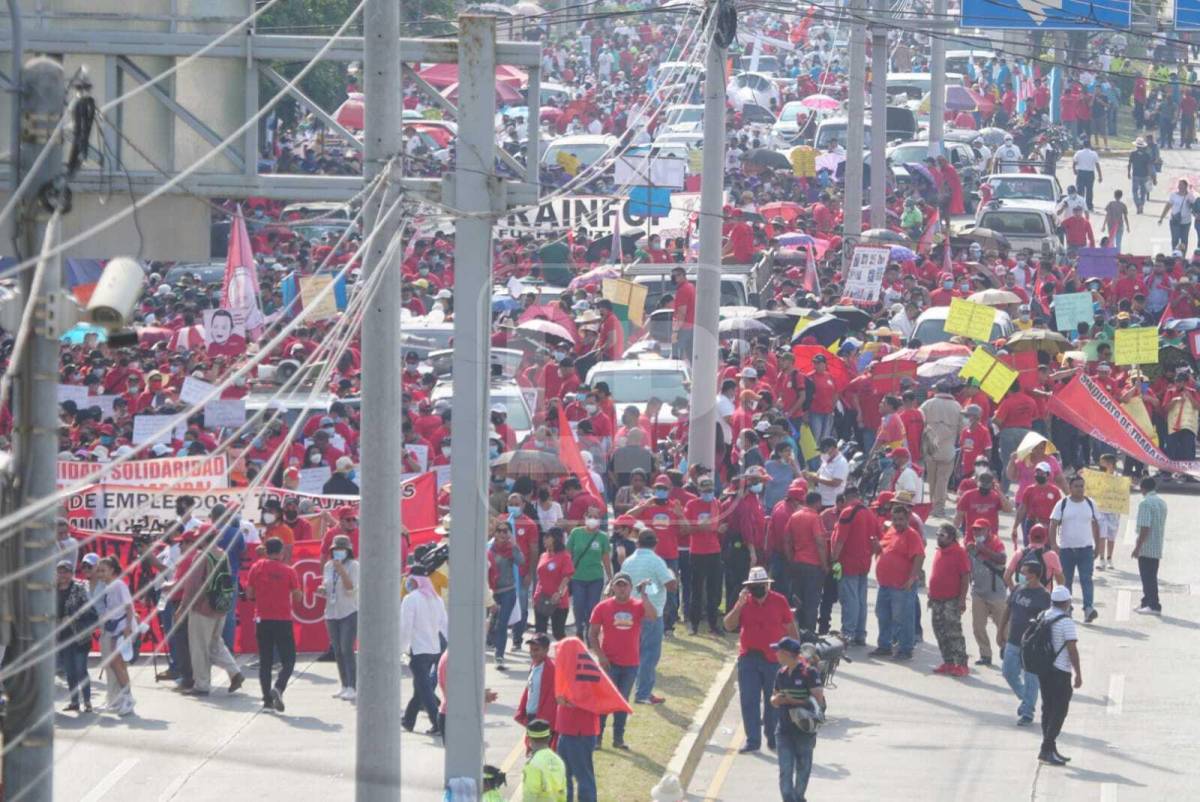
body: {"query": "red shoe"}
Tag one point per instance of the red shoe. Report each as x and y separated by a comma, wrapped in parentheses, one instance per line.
(944, 668)
(960, 671)
(656, 700)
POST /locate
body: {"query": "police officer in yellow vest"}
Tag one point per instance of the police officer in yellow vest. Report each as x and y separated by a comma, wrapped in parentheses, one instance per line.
(493, 779)
(545, 776)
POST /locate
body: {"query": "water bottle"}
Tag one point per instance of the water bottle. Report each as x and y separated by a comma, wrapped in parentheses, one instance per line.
(837, 571)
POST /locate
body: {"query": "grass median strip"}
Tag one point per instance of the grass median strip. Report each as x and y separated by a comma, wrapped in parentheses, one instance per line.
(689, 665)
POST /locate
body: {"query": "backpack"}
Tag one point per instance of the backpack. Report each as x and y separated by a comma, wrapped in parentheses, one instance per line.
(1037, 645)
(1039, 554)
(219, 591)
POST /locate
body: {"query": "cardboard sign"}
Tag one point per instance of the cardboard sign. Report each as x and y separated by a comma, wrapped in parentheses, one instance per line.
(105, 402)
(225, 413)
(865, 276)
(1071, 309)
(1097, 263)
(74, 392)
(970, 320)
(977, 366)
(145, 428)
(419, 455)
(1110, 492)
(998, 380)
(317, 308)
(886, 376)
(194, 390)
(629, 294)
(1136, 346)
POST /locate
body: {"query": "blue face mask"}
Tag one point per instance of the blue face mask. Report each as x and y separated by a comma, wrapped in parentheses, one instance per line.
(708, 496)
(514, 510)
(508, 483)
(493, 452)
(756, 488)
(662, 495)
(946, 285)
(106, 440)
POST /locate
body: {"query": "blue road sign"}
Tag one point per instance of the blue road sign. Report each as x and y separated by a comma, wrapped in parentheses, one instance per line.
(1187, 15)
(1077, 15)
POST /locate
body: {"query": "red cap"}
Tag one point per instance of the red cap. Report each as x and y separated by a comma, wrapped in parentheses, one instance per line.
(797, 491)
(982, 523)
(901, 452)
(291, 473)
(346, 512)
(625, 520)
(884, 498)
(662, 481)
(1037, 533)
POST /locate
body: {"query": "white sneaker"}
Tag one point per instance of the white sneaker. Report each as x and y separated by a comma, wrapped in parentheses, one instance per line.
(341, 694)
(126, 707)
(1100, 564)
(350, 694)
(1110, 564)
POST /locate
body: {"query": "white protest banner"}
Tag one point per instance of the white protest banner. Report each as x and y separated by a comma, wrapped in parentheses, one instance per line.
(420, 455)
(317, 308)
(228, 412)
(144, 427)
(182, 473)
(312, 480)
(195, 390)
(74, 392)
(865, 276)
(105, 402)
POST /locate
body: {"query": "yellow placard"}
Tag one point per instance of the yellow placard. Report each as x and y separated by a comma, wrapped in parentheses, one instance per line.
(1109, 491)
(804, 161)
(977, 366)
(1136, 346)
(310, 288)
(629, 294)
(695, 160)
(970, 319)
(998, 380)
(568, 161)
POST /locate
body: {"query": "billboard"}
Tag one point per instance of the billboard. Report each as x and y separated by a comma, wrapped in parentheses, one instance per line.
(1050, 15)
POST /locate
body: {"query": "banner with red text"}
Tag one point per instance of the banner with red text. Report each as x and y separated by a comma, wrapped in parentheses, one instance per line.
(1086, 406)
(181, 473)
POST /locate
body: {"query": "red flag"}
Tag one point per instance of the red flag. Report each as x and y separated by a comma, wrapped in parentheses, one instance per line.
(925, 243)
(580, 682)
(239, 291)
(568, 452)
(418, 507)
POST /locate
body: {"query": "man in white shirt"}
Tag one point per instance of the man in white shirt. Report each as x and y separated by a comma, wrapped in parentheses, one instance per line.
(1075, 530)
(1179, 204)
(907, 478)
(831, 476)
(1008, 156)
(1070, 202)
(423, 628)
(1086, 165)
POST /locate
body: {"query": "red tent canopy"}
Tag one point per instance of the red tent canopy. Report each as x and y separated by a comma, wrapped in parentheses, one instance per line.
(442, 75)
(505, 95)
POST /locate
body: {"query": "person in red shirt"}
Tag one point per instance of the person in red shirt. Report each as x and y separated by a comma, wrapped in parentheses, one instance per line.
(301, 529)
(854, 537)
(914, 424)
(702, 516)
(901, 553)
(1078, 230)
(1035, 503)
(824, 396)
(347, 518)
(740, 247)
(1014, 417)
(274, 587)
(761, 617)
(974, 441)
(666, 517)
(611, 339)
(683, 315)
(949, 579)
(614, 636)
(983, 502)
(807, 548)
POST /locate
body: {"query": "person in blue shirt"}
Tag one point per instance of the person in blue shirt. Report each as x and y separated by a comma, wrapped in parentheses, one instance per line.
(644, 564)
(233, 543)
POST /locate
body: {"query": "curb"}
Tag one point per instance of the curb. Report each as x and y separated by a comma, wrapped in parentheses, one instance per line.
(691, 748)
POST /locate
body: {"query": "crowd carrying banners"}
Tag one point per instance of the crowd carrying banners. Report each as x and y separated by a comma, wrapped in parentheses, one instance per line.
(1136, 346)
(120, 509)
(970, 319)
(1086, 406)
(190, 473)
(1071, 309)
(1110, 491)
(865, 276)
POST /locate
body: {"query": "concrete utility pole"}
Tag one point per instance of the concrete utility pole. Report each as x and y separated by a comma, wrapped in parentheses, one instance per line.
(879, 70)
(852, 211)
(937, 87)
(477, 196)
(702, 433)
(29, 725)
(377, 747)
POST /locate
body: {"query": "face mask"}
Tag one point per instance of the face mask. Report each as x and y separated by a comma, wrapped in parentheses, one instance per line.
(493, 452)
(591, 408)
(1041, 478)
(560, 355)
(756, 488)
(424, 271)
(591, 523)
(446, 450)
(340, 555)
(946, 285)
(268, 517)
(750, 406)
(509, 482)
(514, 510)
(290, 515)
(106, 440)
(708, 495)
(758, 591)
(256, 443)
(662, 495)
(315, 459)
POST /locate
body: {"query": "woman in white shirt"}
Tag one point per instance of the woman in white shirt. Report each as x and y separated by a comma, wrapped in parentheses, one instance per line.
(340, 589)
(549, 511)
(115, 606)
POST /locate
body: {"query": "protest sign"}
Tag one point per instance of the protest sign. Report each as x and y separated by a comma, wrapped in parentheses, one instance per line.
(1136, 346)
(181, 473)
(1071, 309)
(998, 380)
(228, 412)
(194, 390)
(1110, 491)
(222, 336)
(865, 276)
(628, 299)
(317, 308)
(312, 480)
(886, 376)
(977, 366)
(1097, 263)
(74, 392)
(145, 427)
(970, 320)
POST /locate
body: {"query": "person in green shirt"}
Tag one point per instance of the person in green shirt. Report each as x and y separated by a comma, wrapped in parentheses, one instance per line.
(591, 553)
(544, 778)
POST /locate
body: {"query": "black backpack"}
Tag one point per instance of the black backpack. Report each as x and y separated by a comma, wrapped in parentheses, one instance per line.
(1032, 552)
(1037, 646)
(220, 591)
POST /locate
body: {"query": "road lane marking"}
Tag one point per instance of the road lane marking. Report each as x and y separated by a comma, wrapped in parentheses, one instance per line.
(1124, 604)
(1108, 792)
(109, 781)
(1131, 531)
(731, 753)
(1116, 694)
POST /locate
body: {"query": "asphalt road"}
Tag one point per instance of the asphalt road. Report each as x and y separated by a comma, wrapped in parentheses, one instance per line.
(224, 747)
(898, 731)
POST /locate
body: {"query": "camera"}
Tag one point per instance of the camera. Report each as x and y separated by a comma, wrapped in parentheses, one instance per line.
(116, 295)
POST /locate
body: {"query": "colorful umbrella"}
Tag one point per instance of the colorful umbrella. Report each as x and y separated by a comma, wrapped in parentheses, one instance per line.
(837, 368)
(595, 276)
(826, 330)
(821, 103)
(440, 76)
(553, 313)
(786, 209)
(351, 113)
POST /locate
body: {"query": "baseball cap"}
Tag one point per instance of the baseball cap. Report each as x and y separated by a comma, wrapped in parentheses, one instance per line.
(788, 645)
(625, 520)
(65, 564)
(621, 576)
(1043, 466)
(749, 373)
(662, 481)
(1060, 594)
(538, 729)
(91, 558)
(981, 523)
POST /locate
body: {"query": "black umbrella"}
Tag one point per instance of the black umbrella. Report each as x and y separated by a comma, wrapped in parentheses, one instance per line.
(826, 330)
(628, 245)
(764, 157)
(855, 317)
(781, 323)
